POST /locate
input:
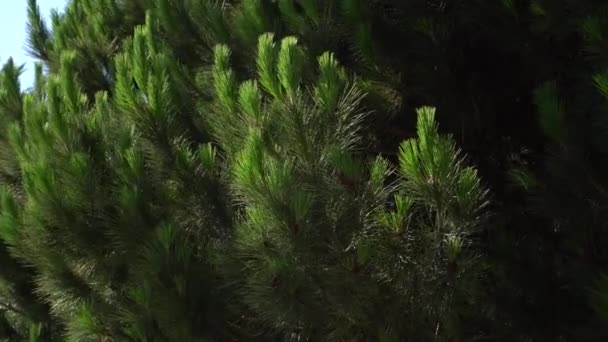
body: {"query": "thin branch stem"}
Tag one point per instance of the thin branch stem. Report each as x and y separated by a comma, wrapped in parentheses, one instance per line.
(10, 307)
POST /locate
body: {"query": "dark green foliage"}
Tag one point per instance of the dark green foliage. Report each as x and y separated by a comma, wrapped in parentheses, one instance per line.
(206, 170)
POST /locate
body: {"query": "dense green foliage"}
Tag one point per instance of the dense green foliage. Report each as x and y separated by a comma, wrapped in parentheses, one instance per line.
(307, 170)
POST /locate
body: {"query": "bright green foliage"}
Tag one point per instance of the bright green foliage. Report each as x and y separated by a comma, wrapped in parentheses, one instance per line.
(311, 247)
(127, 225)
(94, 220)
(272, 170)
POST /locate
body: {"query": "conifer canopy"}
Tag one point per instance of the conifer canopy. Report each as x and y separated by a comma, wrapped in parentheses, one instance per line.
(307, 170)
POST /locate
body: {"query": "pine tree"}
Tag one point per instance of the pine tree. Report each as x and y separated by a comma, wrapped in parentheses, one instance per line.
(21, 311)
(563, 187)
(319, 253)
(187, 170)
(129, 208)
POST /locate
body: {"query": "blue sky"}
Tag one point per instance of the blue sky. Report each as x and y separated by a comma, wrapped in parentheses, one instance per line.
(13, 25)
